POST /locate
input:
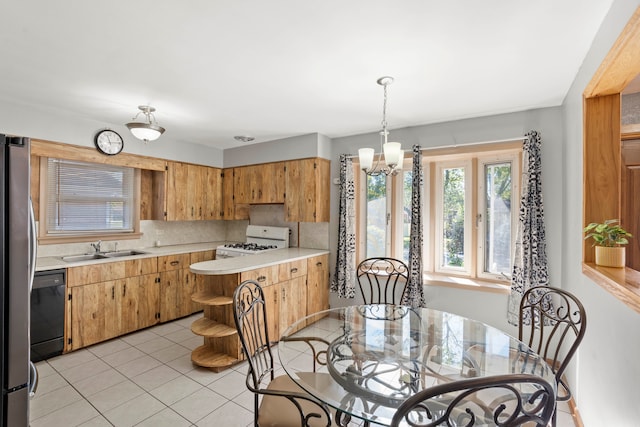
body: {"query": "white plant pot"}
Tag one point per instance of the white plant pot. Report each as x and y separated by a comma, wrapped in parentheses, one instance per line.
(610, 256)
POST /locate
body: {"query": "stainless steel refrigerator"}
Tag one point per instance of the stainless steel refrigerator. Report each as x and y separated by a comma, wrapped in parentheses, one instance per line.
(17, 255)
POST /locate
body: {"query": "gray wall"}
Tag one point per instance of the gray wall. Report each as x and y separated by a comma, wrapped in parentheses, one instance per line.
(607, 366)
(59, 126)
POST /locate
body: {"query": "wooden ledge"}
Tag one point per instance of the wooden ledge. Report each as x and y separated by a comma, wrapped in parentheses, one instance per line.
(622, 283)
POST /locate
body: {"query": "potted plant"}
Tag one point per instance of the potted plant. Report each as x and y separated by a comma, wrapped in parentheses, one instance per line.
(609, 239)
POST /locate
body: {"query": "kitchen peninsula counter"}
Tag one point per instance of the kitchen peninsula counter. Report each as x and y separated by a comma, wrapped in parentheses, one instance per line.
(251, 262)
(295, 282)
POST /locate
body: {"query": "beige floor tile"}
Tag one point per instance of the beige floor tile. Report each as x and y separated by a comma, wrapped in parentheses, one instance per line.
(138, 366)
(245, 399)
(192, 343)
(50, 383)
(205, 376)
(165, 418)
(151, 346)
(69, 416)
(182, 364)
(166, 328)
(115, 396)
(228, 415)
(44, 369)
(70, 360)
(123, 356)
(85, 370)
(171, 353)
(43, 404)
(175, 390)
(99, 421)
(180, 335)
(139, 337)
(230, 385)
(155, 377)
(99, 382)
(109, 347)
(134, 411)
(199, 404)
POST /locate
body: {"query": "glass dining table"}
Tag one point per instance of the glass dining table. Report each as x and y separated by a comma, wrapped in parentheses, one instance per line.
(370, 358)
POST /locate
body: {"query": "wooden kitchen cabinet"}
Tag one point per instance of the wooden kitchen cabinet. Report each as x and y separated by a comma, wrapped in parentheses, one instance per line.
(317, 283)
(105, 300)
(307, 188)
(176, 287)
(262, 183)
(193, 192)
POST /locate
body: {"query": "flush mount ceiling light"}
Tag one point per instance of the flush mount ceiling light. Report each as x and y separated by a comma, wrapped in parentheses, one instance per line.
(393, 154)
(149, 130)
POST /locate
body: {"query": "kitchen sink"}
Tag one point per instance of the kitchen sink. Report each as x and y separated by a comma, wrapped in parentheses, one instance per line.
(85, 257)
(116, 254)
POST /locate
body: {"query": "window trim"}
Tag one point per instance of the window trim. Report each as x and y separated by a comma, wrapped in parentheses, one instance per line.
(44, 238)
(429, 157)
(516, 166)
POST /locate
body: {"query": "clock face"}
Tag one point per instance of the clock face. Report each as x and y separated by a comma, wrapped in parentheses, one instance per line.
(109, 142)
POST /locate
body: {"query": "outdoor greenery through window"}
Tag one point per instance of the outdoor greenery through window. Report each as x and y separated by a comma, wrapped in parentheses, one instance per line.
(89, 198)
(470, 213)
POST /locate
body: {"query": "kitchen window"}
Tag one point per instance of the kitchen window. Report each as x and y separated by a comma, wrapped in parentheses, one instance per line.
(470, 212)
(84, 201)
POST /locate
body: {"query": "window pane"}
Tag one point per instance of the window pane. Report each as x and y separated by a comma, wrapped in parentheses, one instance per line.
(497, 239)
(376, 215)
(453, 217)
(87, 197)
(406, 214)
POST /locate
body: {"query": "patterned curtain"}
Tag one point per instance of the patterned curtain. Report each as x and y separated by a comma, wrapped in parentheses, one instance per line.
(414, 295)
(530, 259)
(344, 280)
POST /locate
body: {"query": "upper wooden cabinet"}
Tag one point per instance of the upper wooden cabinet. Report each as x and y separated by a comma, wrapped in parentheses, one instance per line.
(193, 192)
(263, 183)
(307, 186)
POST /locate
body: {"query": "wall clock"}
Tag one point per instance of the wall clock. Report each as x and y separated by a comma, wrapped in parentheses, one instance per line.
(109, 142)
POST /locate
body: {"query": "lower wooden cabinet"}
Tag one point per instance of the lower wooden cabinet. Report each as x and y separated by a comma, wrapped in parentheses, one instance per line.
(290, 289)
(110, 299)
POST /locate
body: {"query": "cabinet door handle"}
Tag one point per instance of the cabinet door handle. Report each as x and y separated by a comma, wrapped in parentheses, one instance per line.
(262, 278)
(124, 289)
(284, 294)
(175, 262)
(294, 270)
(191, 211)
(113, 292)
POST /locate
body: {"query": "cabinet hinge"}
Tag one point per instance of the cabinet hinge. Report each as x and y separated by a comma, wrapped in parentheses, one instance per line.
(222, 174)
(165, 214)
(157, 280)
(69, 298)
(315, 165)
(285, 168)
(69, 341)
(166, 167)
(284, 195)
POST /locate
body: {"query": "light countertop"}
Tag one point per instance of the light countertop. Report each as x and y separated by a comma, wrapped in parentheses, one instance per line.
(52, 263)
(252, 262)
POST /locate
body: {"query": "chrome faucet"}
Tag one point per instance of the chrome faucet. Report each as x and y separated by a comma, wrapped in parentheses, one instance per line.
(96, 246)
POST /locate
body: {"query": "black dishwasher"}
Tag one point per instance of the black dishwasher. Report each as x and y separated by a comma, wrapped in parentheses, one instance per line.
(47, 314)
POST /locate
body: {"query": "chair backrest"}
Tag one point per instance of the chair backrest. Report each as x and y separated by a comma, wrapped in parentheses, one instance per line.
(382, 280)
(250, 316)
(552, 323)
(504, 400)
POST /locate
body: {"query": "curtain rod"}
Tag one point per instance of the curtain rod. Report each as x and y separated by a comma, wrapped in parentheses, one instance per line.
(468, 144)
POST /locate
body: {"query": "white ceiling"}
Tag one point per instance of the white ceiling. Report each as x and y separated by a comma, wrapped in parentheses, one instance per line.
(279, 68)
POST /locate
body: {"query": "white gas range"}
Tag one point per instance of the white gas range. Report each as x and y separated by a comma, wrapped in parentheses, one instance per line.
(259, 239)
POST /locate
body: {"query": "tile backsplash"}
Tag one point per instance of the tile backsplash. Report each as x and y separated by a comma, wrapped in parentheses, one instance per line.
(164, 233)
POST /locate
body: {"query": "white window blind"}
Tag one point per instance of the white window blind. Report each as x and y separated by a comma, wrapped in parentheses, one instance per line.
(89, 197)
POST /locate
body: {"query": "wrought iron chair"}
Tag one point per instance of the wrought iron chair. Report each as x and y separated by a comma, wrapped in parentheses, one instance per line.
(381, 279)
(504, 400)
(552, 323)
(284, 403)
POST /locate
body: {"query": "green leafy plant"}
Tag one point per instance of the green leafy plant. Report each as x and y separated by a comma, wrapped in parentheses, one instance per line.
(608, 233)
